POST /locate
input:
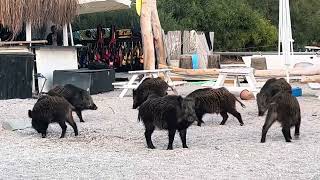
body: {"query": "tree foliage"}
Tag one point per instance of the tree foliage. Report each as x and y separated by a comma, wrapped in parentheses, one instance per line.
(239, 25)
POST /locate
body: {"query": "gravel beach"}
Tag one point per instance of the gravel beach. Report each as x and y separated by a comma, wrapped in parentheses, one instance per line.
(111, 145)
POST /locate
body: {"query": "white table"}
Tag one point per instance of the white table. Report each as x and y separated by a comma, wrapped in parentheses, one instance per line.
(248, 73)
(132, 84)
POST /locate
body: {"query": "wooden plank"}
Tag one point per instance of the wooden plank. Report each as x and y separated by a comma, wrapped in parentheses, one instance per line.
(149, 71)
(202, 50)
(237, 71)
(23, 42)
(174, 44)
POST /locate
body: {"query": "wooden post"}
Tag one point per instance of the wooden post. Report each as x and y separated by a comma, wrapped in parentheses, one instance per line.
(157, 32)
(214, 61)
(185, 62)
(147, 36)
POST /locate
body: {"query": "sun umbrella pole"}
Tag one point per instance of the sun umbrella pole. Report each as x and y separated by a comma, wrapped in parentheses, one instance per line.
(28, 31)
(65, 35)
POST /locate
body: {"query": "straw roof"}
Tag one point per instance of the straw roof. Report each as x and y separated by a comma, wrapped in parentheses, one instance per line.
(13, 13)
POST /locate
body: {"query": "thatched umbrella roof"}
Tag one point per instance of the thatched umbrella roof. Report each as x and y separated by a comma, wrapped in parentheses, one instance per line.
(13, 13)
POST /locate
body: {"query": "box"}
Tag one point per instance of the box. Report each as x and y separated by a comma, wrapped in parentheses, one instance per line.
(16, 75)
(94, 81)
(296, 91)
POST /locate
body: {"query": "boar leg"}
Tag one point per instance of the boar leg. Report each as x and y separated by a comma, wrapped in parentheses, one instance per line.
(236, 114)
(44, 131)
(79, 115)
(286, 133)
(225, 117)
(297, 129)
(149, 130)
(199, 116)
(270, 119)
(74, 126)
(64, 128)
(183, 134)
(172, 132)
(44, 134)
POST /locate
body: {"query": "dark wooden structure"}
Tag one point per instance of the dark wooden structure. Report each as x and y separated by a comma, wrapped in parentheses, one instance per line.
(94, 81)
(16, 75)
(185, 62)
(214, 61)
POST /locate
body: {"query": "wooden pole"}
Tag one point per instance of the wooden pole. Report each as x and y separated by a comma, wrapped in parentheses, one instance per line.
(157, 32)
(147, 36)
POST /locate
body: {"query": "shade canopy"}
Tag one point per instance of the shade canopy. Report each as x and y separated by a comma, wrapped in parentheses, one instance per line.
(93, 6)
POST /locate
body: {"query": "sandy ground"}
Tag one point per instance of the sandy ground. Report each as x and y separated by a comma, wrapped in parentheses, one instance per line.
(111, 145)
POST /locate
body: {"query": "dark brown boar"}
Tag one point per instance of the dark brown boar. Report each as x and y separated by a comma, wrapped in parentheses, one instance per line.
(77, 97)
(170, 113)
(284, 108)
(50, 109)
(219, 100)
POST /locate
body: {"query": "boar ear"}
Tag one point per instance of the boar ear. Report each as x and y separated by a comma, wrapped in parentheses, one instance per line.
(133, 91)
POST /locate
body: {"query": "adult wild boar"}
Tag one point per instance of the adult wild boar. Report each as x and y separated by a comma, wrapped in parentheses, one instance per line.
(77, 97)
(219, 100)
(284, 108)
(50, 109)
(170, 113)
(149, 86)
(269, 89)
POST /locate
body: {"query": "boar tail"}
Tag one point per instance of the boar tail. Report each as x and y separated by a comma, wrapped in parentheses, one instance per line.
(30, 113)
(242, 105)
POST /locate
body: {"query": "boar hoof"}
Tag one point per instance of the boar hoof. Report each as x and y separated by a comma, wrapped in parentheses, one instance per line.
(169, 148)
(241, 124)
(288, 140)
(263, 141)
(185, 146)
(151, 147)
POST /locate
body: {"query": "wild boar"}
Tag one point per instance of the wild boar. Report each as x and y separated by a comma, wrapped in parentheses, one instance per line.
(77, 97)
(50, 109)
(284, 108)
(219, 100)
(170, 113)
